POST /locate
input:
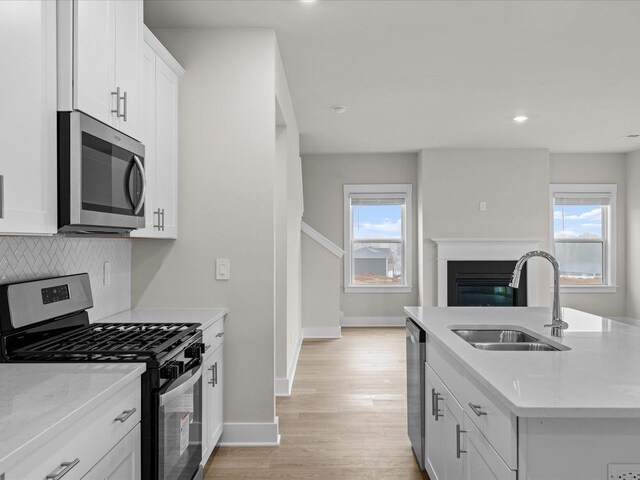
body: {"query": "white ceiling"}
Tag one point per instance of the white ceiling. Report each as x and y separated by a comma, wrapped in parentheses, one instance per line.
(442, 74)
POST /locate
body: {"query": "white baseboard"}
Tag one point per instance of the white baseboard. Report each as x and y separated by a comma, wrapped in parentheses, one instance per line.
(321, 332)
(373, 321)
(283, 385)
(250, 434)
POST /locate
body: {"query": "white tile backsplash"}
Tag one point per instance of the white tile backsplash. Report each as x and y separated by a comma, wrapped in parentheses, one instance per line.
(25, 258)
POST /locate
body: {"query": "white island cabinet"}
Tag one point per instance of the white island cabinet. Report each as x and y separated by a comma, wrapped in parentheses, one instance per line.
(71, 421)
(28, 168)
(100, 61)
(531, 415)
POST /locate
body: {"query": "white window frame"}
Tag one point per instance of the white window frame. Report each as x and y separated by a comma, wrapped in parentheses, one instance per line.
(404, 190)
(610, 267)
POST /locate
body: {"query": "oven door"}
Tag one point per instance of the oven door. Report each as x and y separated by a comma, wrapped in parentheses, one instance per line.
(180, 427)
(107, 184)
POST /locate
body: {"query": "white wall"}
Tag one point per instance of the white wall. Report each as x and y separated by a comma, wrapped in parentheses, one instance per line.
(226, 206)
(633, 234)
(598, 168)
(291, 169)
(321, 278)
(513, 182)
(323, 178)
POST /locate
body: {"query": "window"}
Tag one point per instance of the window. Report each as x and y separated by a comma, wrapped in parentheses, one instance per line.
(377, 238)
(584, 235)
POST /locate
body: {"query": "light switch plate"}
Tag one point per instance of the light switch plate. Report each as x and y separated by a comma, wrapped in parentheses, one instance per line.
(223, 269)
(483, 206)
(623, 471)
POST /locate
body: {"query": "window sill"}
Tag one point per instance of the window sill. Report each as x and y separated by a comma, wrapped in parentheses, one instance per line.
(378, 289)
(588, 289)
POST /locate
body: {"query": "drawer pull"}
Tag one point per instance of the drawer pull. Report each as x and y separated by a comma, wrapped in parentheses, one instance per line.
(219, 334)
(476, 409)
(436, 407)
(66, 467)
(458, 441)
(124, 415)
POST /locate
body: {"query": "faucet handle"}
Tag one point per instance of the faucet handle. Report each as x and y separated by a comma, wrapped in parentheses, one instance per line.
(558, 324)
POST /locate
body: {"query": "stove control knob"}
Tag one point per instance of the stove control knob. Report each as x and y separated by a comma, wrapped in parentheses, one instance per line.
(172, 370)
(194, 351)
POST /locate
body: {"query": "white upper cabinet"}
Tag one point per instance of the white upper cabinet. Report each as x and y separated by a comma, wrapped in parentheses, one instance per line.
(28, 95)
(160, 137)
(100, 61)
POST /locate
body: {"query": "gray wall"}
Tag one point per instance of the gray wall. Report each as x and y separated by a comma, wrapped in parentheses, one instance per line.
(598, 168)
(226, 206)
(323, 178)
(26, 258)
(513, 182)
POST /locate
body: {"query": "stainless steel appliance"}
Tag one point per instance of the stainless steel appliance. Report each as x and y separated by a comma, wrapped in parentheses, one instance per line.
(101, 178)
(47, 321)
(416, 357)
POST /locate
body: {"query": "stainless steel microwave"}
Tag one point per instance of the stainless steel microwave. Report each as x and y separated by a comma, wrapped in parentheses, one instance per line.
(101, 178)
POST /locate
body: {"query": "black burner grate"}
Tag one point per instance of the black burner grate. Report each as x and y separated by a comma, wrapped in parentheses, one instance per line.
(109, 341)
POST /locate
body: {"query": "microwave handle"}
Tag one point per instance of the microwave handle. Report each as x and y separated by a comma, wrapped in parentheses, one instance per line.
(140, 203)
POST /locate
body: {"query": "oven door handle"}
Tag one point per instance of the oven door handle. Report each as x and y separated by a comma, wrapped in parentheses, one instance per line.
(140, 203)
(180, 387)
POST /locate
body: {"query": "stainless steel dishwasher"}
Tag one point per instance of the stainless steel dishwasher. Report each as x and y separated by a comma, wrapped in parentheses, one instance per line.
(416, 357)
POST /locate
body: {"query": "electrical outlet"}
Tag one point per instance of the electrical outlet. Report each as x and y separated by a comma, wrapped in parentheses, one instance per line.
(623, 471)
(483, 206)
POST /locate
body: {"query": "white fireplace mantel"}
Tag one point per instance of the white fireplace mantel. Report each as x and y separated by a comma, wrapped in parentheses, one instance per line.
(485, 249)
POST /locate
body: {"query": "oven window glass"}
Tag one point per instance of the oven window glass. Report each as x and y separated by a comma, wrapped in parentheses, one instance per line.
(111, 183)
(180, 432)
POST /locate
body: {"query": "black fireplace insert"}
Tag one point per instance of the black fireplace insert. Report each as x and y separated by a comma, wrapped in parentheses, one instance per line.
(484, 284)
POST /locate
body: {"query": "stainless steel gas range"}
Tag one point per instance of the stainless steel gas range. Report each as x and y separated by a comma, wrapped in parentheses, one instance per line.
(47, 321)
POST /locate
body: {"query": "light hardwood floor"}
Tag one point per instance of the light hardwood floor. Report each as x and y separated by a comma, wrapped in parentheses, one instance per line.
(345, 419)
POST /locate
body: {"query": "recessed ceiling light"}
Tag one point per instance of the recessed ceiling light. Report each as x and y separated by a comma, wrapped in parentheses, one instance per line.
(308, 1)
(520, 119)
(339, 109)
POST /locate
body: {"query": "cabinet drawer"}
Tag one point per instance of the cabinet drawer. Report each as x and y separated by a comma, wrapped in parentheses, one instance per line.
(212, 337)
(86, 441)
(493, 420)
(482, 461)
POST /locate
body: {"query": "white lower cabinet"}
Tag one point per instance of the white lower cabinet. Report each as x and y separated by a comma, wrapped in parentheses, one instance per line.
(122, 462)
(455, 449)
(482, 462)
(103, 444)
(212, 388)
(444, 430)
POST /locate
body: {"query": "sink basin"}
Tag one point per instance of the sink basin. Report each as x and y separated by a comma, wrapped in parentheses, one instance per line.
(520, 347)
(495, 336)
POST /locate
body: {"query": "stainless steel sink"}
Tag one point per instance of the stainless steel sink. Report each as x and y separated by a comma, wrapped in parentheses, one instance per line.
(495, 336)
(520, 347)
(503, 340)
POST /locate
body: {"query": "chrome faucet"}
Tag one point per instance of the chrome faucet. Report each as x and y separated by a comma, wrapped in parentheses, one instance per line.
(557, 324)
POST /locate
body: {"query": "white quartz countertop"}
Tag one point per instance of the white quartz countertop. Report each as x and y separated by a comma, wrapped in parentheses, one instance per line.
(40, 401)
(204, 316)
(599, 377)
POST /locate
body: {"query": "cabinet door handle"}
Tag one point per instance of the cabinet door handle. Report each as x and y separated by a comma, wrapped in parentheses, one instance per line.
(1, 196)
(476, 409)
(163, 219)
(66, 467)
(125, 415)
(458, 441)
(215, 373)
(212, 381)
(433, 402)
(117, 94)
(159, 225)
(436, 407)
(124, 115)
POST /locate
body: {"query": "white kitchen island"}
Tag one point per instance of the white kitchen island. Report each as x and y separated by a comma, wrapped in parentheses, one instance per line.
(530, 415)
